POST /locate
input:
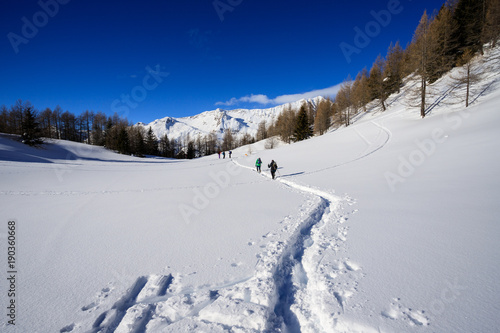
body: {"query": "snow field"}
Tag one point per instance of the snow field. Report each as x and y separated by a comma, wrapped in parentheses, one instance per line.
(388, 225)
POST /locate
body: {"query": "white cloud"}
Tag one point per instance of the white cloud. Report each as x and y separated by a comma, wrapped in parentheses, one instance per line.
(264, 100)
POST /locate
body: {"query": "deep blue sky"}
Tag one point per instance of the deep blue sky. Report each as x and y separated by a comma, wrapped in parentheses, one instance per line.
(92, 54)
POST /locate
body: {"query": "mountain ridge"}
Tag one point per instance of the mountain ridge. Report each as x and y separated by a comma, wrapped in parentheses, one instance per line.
(239, 121)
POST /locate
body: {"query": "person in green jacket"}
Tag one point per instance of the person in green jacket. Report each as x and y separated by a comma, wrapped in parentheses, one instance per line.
(258, 163)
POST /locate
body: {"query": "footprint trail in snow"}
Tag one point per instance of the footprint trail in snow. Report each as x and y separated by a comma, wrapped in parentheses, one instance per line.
(302, 283)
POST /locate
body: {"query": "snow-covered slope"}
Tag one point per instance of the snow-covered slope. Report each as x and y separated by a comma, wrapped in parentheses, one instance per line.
(388, 225)
(239, 121)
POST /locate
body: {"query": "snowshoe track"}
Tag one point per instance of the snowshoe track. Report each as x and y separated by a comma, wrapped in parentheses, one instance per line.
(292, 289)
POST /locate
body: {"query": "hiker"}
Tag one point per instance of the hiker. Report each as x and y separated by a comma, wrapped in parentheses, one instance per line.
(223, 154)
(219, 154)
(230, 152)
(258, 163)
(273, 167)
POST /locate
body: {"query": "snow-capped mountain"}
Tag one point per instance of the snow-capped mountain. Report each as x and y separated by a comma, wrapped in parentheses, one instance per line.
(239, 121)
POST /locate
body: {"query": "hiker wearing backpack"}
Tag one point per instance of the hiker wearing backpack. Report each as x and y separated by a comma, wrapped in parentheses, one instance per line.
(258, 163)
(273, 166)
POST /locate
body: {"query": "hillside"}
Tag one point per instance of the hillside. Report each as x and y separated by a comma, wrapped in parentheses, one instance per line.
(388, 225)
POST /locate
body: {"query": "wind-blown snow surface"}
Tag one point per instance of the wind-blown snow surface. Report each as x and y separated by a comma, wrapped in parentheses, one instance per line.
(389, 225)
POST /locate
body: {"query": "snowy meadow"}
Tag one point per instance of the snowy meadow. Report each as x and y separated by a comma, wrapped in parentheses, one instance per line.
(388, 225)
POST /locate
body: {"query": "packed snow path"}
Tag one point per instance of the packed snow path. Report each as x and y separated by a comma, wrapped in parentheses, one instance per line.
(309, 297)
(301, 283)
(292, 288)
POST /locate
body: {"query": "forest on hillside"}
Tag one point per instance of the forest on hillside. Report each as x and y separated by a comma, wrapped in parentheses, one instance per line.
(448, 38)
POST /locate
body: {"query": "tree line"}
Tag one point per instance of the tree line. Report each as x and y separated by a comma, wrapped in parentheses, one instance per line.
(446, 39)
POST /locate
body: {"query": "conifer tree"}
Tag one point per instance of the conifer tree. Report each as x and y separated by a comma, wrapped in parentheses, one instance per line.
(322, 122)
(16, 117)
(344, 102)
(361, 93)
(151, 143)
(165, 148)
(30, 127)
(56, 119)
(190, 154)
(262, 131)
(286, 124)
(136, 141)
(227, 140)
(303, 129)
(4, 119)
(442, 42)
(469, 17)
(468, 74)
(491, 28)
(123, 143)
(45, 121)
(98, 129)
(393, 69)
(421, 54)
(376, 82)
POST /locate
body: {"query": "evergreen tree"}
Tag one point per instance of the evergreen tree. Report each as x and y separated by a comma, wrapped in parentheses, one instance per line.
(469, 17)
(4, 120)
(137, 145)
(123, 143)
(303, 128)
(165, 149)
(151, 143)
(190, 154)
(30, 127)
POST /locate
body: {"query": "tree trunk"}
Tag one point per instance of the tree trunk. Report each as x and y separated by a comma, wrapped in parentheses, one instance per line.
(422, 104)
(468, 85)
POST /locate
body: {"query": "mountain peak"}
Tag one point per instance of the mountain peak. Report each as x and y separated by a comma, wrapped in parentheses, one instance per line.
(239, 121)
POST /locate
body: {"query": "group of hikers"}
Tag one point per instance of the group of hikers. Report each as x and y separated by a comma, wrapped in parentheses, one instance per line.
(273, 166)
(224, 154)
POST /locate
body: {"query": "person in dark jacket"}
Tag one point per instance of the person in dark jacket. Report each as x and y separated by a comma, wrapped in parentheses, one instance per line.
(273, 166)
